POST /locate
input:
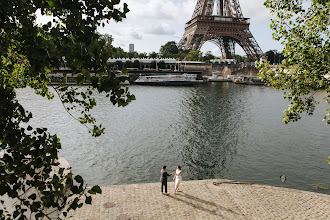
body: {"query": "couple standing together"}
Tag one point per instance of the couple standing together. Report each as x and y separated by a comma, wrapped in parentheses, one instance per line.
(177, 177)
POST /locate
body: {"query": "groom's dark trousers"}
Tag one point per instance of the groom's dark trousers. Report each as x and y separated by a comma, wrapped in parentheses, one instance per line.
(163, 179)
(164, 184)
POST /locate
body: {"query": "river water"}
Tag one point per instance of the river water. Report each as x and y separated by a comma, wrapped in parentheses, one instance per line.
(218, 130)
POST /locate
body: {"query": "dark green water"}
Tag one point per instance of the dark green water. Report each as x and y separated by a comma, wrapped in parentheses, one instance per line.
(219, 130)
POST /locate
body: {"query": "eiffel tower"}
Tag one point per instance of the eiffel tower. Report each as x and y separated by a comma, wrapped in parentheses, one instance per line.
(224, 29)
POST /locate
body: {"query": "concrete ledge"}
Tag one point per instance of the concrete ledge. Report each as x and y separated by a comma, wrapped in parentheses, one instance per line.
(204, 200)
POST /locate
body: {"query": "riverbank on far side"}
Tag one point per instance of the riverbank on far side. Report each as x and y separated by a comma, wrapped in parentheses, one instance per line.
(203, 199)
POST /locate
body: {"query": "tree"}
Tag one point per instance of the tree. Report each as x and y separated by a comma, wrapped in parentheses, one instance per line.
(183, 54)
(169, 49)
(128, 64)
(153, 64)
(28, 53)
(118, 52)
(119, 64)
(239, 58)
(142, 55)
(208, 56)
(194, 55)
(273, 57)
(270, 56)
(136, 64)
(305, 69)
(108, 38)
(131, 55)
(161, 65)
(153, 55)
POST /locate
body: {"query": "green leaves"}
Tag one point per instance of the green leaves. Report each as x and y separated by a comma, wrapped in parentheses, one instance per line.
(33, 196)
(169, 48)
(88, 200)
(94, 190)
(305, 35)
(126, 10)
(51, 3)
(320, 1)
(79, 179)
(28, 55)
(28, 162)
(194, 55)
(329, 160)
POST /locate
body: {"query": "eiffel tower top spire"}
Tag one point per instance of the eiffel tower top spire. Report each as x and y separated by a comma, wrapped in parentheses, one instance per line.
(225, 8)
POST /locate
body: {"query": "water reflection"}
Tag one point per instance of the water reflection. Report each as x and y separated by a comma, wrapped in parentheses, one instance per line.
(211, 128)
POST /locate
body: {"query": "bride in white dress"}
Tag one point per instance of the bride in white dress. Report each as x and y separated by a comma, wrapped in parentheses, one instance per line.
(178, 178)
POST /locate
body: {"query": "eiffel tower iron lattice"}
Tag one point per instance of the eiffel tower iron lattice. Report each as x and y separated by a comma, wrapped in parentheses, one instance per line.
(225, 29)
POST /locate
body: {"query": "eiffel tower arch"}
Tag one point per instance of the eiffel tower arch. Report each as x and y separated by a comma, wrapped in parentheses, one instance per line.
(225, 29)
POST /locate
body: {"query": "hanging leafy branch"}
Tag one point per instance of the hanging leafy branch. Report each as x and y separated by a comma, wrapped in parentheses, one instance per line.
(303, 29)
(27, 167)
(28, 53)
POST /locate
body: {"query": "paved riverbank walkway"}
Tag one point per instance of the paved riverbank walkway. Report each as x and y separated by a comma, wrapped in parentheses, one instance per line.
(204, 200)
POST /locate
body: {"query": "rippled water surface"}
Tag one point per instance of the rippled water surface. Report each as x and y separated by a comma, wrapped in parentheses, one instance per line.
(219, 130)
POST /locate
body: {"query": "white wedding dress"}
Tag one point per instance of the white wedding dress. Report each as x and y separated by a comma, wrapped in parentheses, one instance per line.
(178, 178)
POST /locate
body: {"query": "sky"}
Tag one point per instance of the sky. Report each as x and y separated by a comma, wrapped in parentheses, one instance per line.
(152, 23)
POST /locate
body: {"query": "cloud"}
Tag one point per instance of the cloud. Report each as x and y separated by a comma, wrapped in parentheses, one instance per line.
(256, 10)
(136, 36)
(160, 29)
(180, 11)
(216, 51)
(171, 10)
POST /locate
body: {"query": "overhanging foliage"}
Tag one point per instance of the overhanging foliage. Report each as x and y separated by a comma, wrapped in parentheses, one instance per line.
(28, 52)
(303, 27)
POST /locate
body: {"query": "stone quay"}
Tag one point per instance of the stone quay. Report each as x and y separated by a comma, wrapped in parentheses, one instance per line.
(203, 199)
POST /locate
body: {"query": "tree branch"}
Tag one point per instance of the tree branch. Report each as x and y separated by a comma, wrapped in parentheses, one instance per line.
(67, 109)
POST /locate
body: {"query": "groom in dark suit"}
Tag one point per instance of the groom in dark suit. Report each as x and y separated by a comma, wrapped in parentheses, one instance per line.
(163, 178)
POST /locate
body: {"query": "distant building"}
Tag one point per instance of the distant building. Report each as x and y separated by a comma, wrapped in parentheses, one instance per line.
(131, 48)
(170, 64)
